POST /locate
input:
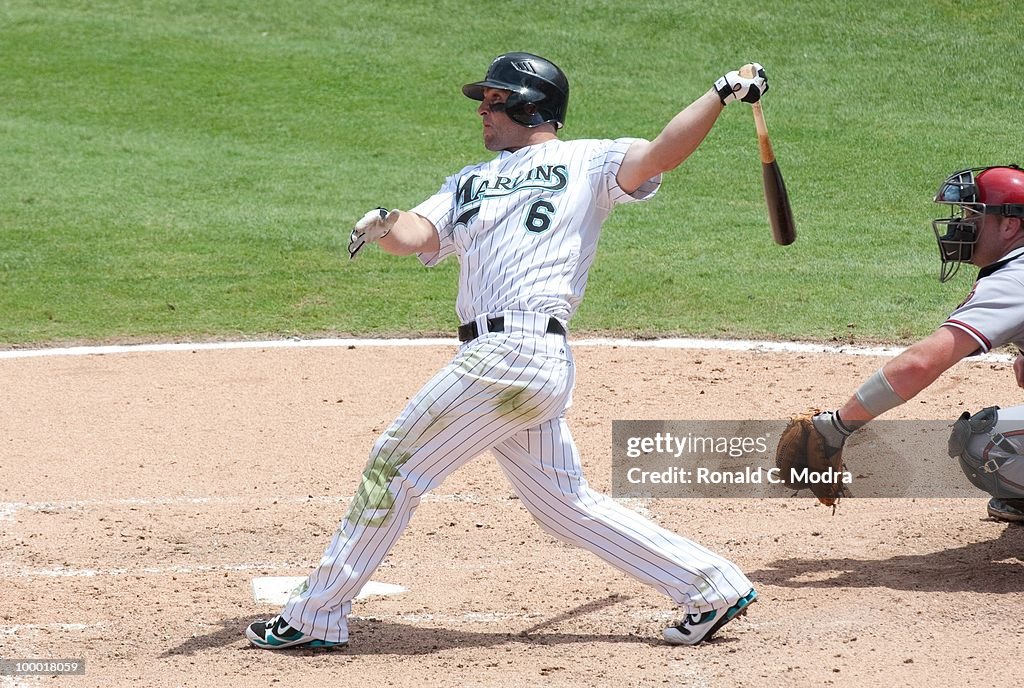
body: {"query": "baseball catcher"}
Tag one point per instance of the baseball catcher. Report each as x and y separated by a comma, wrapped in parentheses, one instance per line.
(985, 228)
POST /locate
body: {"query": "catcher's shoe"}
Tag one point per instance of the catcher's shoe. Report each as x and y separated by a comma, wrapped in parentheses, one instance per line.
(276, 634)
(1006, 509)
(696, 628)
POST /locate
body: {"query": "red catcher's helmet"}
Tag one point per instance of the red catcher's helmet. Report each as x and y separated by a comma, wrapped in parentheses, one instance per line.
(1001, 191)
(972, 193)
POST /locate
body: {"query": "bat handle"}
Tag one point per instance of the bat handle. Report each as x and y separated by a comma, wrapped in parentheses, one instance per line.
(763, 142)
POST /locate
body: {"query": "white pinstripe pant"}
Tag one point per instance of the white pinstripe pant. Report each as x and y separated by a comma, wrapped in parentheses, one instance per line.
(505, 392)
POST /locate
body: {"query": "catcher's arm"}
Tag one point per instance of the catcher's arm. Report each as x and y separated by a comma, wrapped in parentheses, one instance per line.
(815, 440)
(911, 372)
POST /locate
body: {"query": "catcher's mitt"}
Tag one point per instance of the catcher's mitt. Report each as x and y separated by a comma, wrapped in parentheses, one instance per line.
(803, 461)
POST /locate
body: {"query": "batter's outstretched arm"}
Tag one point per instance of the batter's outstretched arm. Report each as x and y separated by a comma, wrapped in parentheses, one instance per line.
(681, 136)
(675, 143)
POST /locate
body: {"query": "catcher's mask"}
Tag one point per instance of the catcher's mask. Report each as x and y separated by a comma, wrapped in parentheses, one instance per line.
(973, 193)
(539, 89)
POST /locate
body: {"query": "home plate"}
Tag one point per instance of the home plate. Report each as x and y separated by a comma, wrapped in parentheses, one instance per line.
(278, 589)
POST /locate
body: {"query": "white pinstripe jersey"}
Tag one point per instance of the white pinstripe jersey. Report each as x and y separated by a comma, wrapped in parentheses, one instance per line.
(525, 225)
(993, 313)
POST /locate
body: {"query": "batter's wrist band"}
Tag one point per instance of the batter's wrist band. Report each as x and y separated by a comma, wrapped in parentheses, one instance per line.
(383, 217)
(877, 396)
(723, 89)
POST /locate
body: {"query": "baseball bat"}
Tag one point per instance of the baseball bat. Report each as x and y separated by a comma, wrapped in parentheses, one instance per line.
(780, 215)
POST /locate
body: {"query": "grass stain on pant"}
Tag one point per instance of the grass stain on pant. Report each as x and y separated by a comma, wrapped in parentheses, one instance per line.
(374, 500)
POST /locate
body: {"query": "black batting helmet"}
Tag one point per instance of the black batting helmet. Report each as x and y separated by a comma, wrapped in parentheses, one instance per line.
(540, 91)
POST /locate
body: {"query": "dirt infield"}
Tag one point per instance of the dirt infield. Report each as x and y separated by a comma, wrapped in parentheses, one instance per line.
(141, 493)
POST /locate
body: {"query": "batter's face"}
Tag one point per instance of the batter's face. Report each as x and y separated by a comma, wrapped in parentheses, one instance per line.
(500, 132)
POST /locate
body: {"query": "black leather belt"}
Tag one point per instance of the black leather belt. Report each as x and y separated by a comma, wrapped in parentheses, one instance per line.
(470, 331)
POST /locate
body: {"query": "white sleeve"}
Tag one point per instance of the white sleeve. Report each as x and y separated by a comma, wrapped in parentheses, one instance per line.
(439, 210)
(613, 156)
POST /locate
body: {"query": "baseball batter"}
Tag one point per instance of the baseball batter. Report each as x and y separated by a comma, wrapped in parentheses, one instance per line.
(524, 227)
(986, 229)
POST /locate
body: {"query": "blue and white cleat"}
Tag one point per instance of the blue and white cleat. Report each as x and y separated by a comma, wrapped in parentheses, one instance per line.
(696, 628)
(276, 634)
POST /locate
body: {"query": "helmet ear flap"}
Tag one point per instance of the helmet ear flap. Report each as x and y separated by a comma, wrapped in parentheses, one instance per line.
(526, 113)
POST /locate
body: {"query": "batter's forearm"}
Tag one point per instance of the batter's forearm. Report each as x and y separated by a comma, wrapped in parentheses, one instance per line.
(684, 133)
(411, 233)
(681, 136)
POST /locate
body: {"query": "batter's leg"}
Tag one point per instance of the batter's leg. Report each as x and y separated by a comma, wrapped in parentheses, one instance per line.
(543, 465)
(486, 394)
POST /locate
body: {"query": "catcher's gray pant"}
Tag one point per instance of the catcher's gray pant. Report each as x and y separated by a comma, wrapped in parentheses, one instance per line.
(505, 392)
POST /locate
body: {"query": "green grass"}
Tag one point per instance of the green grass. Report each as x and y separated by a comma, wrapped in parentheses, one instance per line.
(183, 170)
